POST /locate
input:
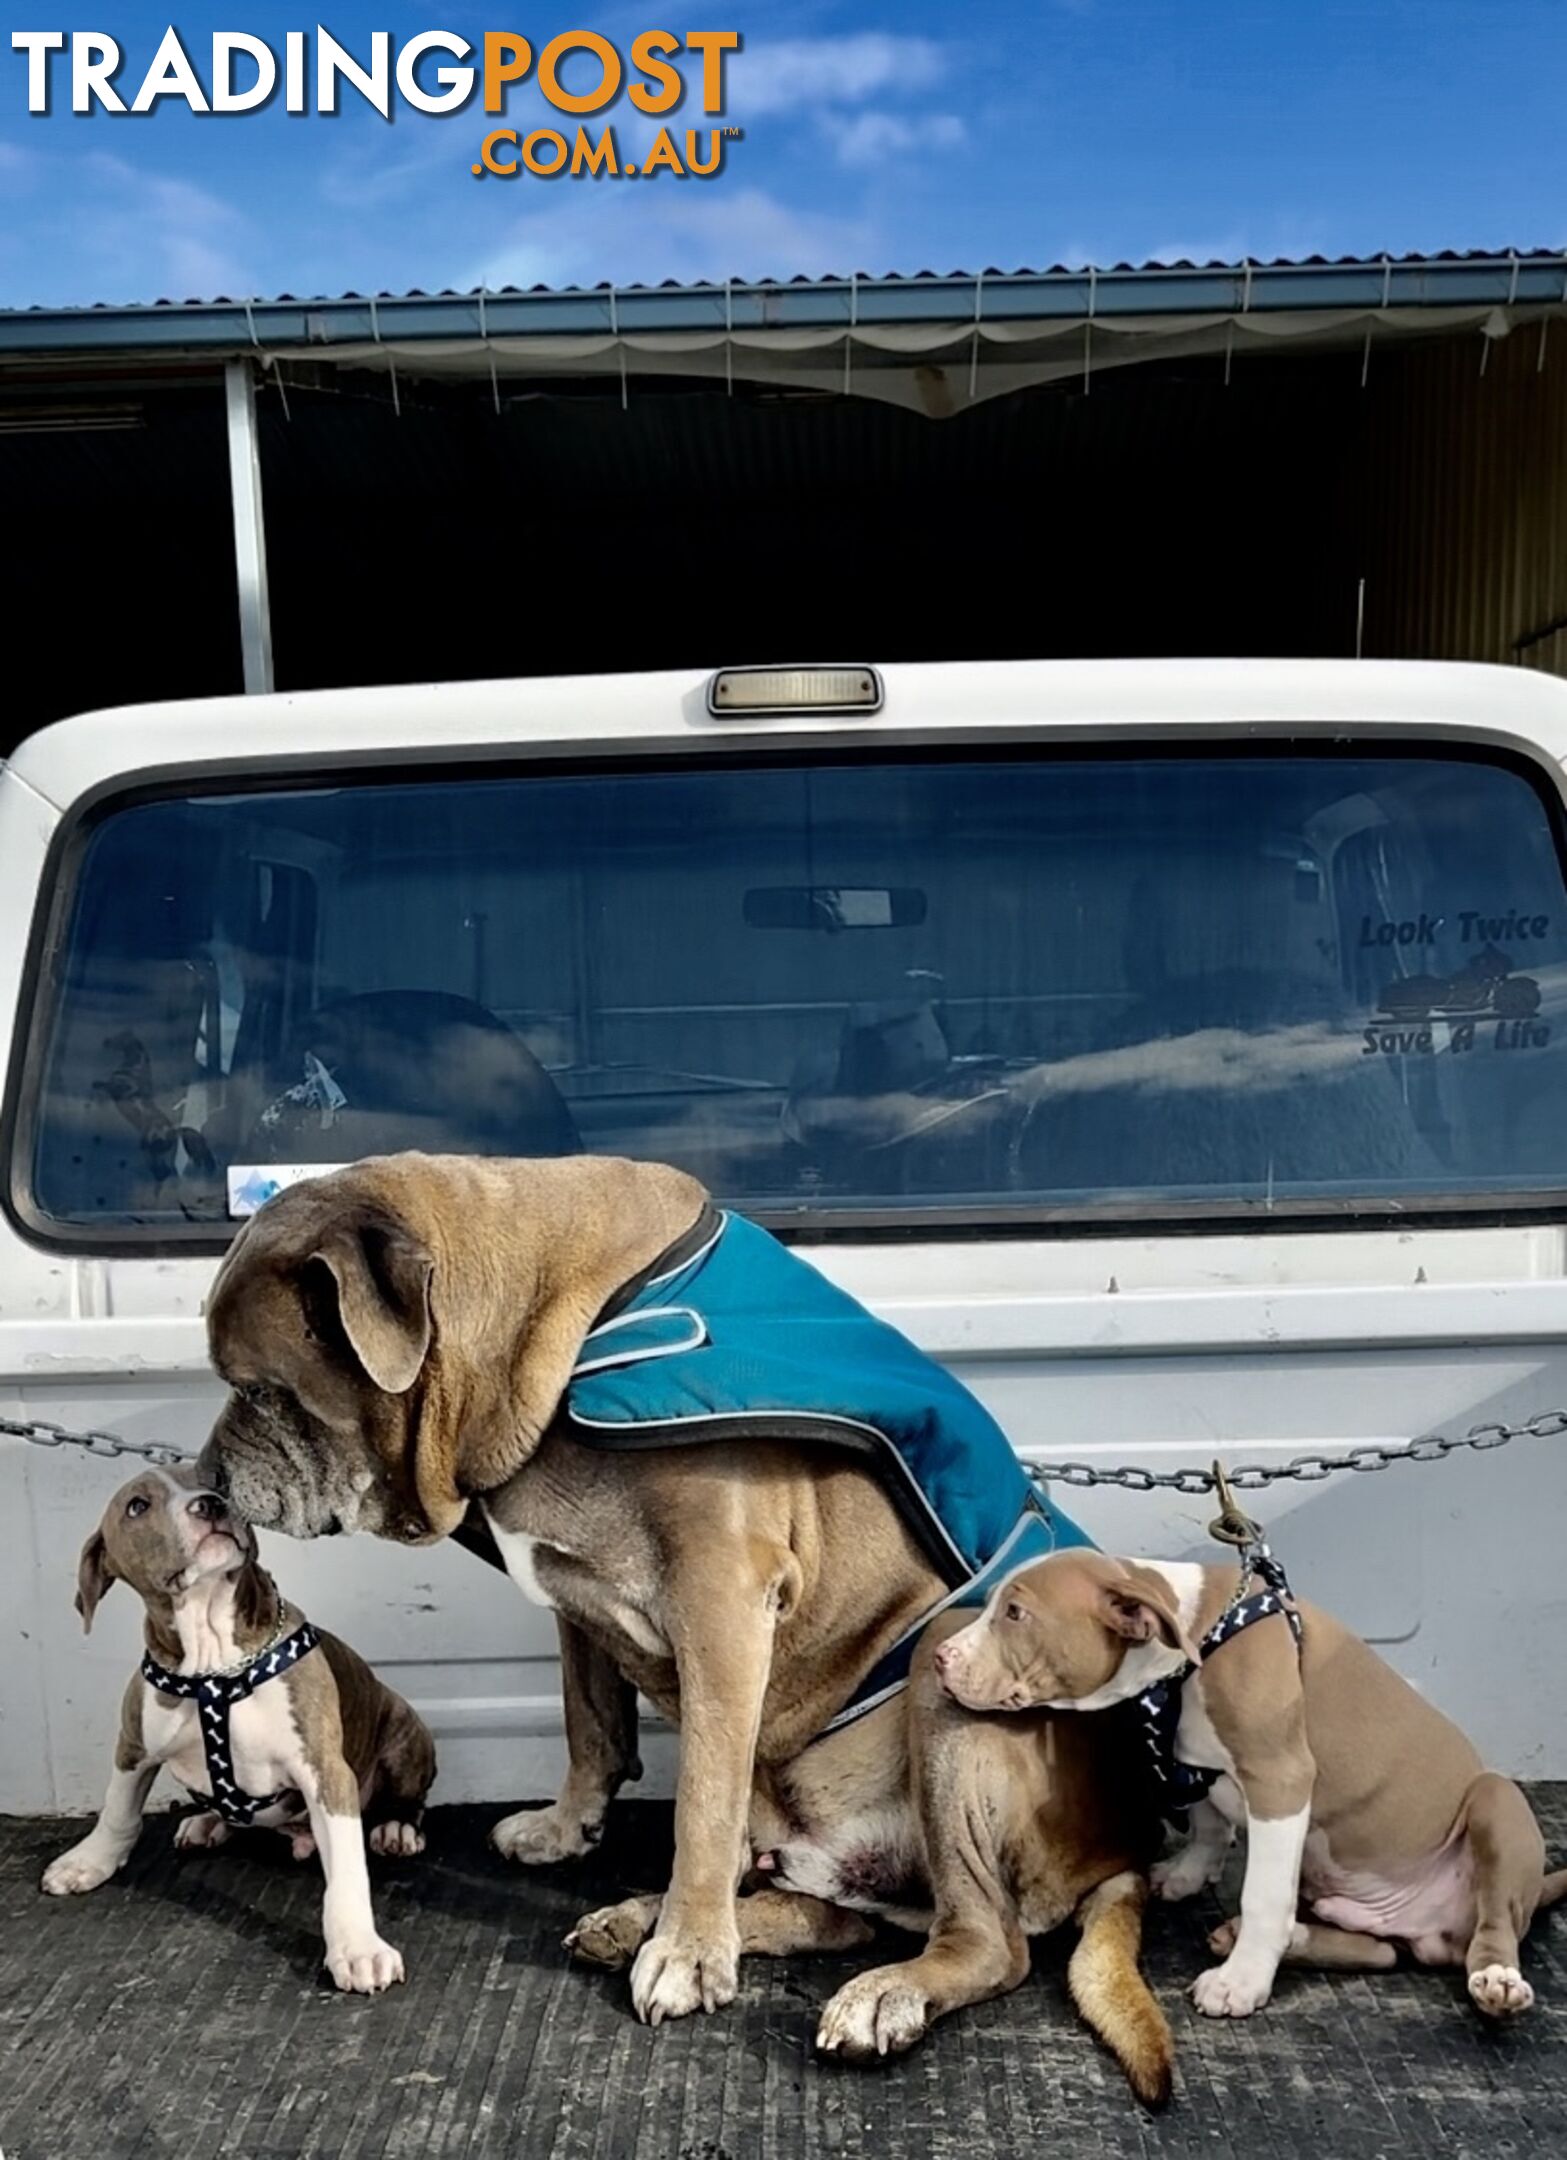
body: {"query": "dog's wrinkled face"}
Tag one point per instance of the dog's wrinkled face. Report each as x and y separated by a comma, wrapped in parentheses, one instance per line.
(162, 1533)
(320, 1322)
(1055, 1635)
(397, 1335)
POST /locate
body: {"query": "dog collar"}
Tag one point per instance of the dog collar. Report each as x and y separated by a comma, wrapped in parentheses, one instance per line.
(215, 1694)
(1158, 1708)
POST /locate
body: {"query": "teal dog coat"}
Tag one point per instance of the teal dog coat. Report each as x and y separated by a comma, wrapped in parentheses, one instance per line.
(742, 1339)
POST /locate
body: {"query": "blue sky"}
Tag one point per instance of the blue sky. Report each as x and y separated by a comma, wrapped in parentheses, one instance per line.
(875, 139)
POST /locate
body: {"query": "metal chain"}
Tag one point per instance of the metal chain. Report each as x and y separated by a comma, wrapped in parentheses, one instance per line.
(1130, 1477)
(44, 1434)
(1308, 1469)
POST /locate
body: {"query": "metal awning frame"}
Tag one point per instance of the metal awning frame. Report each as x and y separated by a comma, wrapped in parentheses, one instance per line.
(931, 343)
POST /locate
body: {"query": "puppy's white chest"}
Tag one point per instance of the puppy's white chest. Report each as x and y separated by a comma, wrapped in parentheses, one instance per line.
(1197, 1743)
(169, 1733)
(262, 1740)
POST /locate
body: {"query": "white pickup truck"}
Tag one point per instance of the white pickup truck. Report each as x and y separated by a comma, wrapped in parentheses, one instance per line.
(1176, 1050)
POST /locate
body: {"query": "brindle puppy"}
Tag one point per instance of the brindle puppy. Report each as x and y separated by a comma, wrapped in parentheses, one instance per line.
(320, 1741)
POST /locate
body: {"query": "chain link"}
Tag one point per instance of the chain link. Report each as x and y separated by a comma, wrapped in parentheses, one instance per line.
(95, 1441)
(1303, 1469)
(1128, 1477)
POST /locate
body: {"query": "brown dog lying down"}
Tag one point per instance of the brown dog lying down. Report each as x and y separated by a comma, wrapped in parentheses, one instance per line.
(976, 1832)
(280, 1725)
(1357, 1796)
(398, 1337)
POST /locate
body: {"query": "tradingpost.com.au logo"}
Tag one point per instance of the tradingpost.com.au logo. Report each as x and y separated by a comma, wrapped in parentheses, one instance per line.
(580, 77)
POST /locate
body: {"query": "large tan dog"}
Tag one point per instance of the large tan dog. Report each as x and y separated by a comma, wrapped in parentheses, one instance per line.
(398, 1337)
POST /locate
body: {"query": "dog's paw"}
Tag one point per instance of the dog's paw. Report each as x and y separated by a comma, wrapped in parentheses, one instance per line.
(879, 2013)
(612, 1936)
(364, 1965)
(1500, 1991)
(301, 1843)
(675, 1976)
(396, 1840)
(538, 1837)
(77, 1871)
(205, 1829)
(1184, 1874)
(1232, 1990)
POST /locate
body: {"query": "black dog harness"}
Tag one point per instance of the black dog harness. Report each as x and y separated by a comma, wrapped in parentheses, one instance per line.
(215, 1695)
(1159, 1707)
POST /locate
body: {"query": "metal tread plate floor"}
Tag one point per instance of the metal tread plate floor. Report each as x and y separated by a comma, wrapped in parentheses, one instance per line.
(181, 2013)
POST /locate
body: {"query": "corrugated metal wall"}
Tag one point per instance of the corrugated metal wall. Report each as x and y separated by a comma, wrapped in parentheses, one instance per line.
(1173, 508)
(1161, 513)
(1466, 500)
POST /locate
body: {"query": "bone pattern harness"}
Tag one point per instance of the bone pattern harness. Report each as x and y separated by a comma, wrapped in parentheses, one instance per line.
(1158, 1708)
(215, 1695)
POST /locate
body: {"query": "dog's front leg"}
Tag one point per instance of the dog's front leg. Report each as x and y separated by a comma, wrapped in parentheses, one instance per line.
(601, 1756)
(1199, 1860)
(722, 1618)
(1278, 1814)
(971, 1818)
(107, 1846)
(358, 1960)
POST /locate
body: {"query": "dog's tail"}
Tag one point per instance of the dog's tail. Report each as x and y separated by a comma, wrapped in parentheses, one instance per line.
(1553, 1889)
(1109, 1989)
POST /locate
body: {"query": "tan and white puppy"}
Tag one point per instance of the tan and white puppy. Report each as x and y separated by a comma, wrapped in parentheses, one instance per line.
(325, 1735)
(976, 1833)
(1358, 1798)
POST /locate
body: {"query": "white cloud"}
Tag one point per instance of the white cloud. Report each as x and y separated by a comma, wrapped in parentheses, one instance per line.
(355, 179)
(817, 72)
(182, 241)
(1230, 247)
(122, 234)
(373, 166)
(686, 230)
(1289, 237)
(872, 138)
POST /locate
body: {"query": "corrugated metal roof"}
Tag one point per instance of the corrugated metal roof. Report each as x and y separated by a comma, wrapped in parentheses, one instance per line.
(1512, 278)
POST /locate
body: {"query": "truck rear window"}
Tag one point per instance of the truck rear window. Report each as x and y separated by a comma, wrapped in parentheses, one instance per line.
(1045, 986)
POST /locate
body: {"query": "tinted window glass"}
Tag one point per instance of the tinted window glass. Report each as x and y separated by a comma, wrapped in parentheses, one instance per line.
(1042, 983)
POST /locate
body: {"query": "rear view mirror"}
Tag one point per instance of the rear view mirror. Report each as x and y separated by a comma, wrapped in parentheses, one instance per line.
(834, 907)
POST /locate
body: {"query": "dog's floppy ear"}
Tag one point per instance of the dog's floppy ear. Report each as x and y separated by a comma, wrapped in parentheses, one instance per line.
(93, 1578)
(382, 1277)
(1139, 1613)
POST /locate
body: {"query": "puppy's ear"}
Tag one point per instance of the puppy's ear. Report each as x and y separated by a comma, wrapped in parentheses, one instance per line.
(93, 1577)
(1140, 1615)
(381, 1281)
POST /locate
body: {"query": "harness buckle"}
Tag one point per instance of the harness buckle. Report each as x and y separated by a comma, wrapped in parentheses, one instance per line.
(1232, 1525)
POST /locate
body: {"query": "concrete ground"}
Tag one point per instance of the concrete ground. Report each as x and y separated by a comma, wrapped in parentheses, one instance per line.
(181, 2014)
